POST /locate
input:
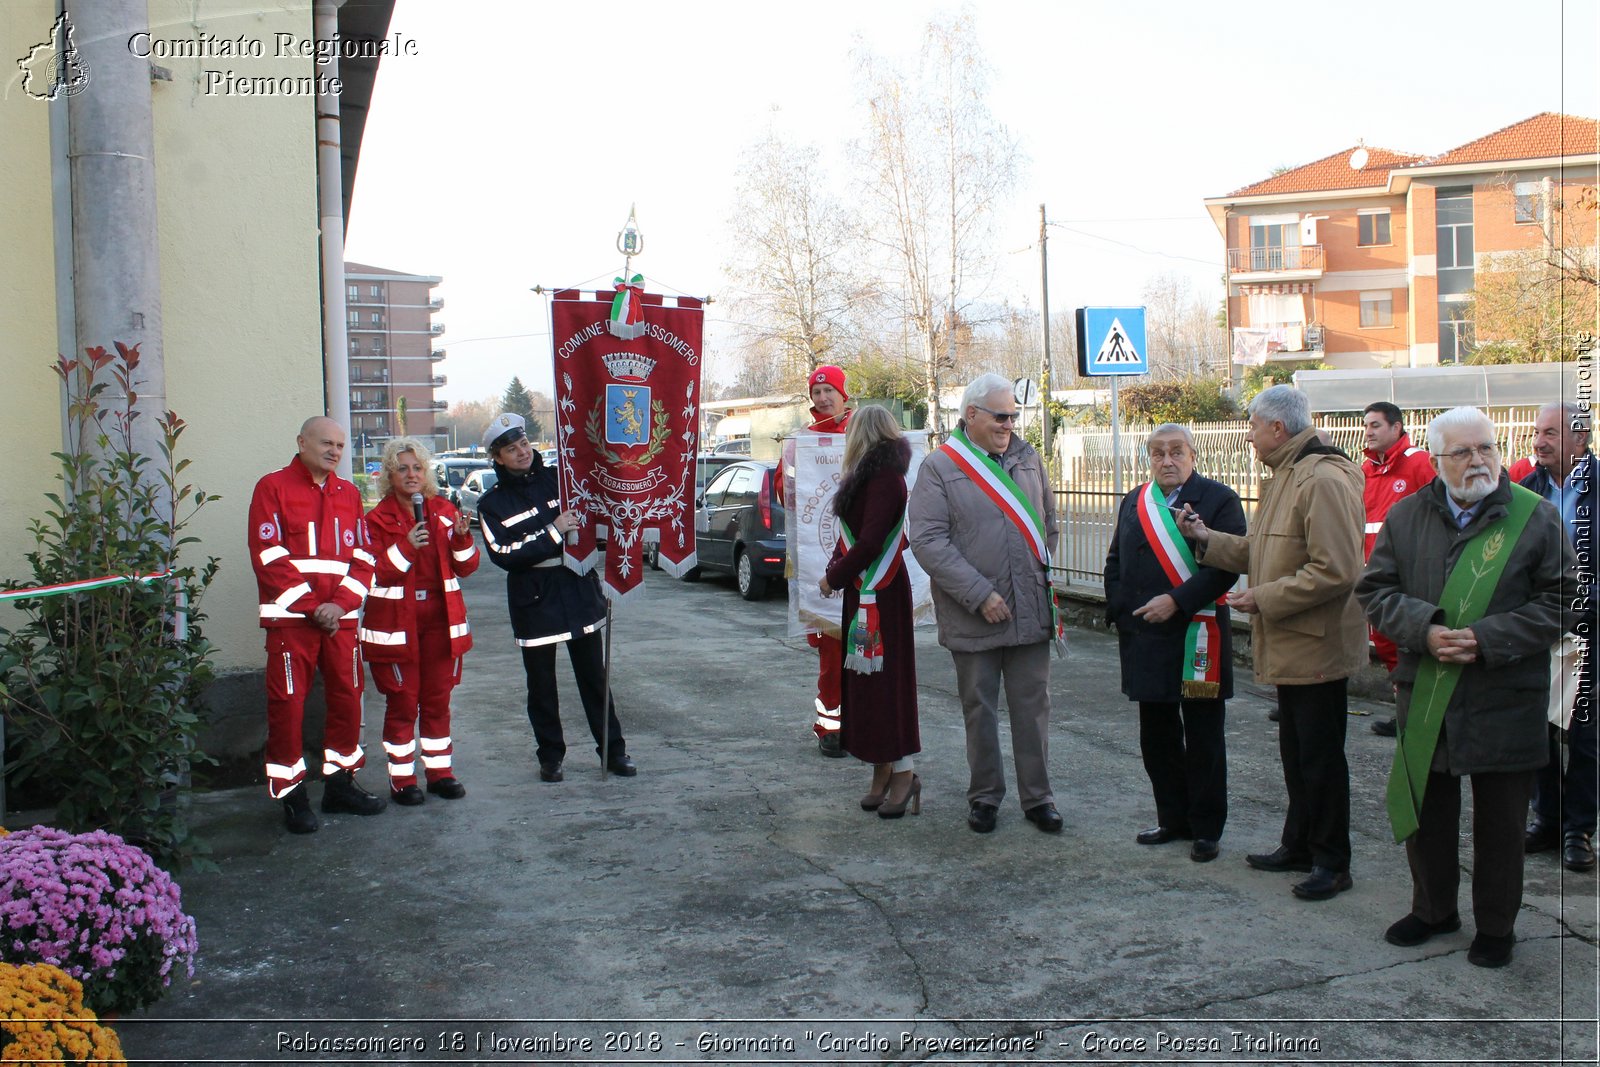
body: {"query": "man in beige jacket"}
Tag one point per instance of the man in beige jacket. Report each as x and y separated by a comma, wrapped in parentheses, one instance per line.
(1303, 555)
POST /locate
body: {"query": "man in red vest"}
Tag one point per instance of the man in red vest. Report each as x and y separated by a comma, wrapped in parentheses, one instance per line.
(1395, 469)
(308, 545)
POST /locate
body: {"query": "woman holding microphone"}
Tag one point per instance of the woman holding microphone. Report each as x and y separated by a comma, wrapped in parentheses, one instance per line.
(414, 631)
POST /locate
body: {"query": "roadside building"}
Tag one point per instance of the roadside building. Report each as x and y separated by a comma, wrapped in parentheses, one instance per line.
(1370, 257)
(389, 317)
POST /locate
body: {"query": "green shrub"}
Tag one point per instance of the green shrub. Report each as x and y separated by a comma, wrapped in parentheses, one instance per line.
(1190, 401)
(101, 687)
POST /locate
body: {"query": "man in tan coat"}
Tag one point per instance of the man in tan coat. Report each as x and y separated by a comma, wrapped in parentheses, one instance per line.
(1303, 555)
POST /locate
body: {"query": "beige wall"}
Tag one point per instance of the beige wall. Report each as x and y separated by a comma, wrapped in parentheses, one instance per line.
(237, 219)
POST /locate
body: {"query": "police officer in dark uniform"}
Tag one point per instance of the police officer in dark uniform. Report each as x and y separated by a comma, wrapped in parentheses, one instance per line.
(524, 529)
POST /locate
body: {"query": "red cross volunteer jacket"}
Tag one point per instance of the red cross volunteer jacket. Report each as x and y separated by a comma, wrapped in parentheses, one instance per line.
(389, 628)
(308, 545)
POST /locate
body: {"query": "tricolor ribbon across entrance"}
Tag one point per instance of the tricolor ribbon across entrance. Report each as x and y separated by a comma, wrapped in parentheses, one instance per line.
(1202, 665)
(83, 585)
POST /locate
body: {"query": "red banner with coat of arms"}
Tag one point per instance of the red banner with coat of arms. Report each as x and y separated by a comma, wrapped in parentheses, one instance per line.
(627, 429)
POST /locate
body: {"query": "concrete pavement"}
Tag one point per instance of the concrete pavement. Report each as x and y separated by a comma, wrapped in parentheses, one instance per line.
(733, 903)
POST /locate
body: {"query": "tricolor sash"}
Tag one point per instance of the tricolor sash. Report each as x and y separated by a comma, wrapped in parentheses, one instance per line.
(1202, 644)
(1466, 596)
(1014, 504)
(863, 636)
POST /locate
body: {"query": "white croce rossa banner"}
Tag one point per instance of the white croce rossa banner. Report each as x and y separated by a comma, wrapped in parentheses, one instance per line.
(811, 464)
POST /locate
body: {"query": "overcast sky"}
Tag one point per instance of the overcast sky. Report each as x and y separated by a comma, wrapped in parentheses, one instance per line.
(505, 153)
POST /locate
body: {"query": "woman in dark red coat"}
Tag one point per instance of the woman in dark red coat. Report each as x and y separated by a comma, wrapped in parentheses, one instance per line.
(880, 667)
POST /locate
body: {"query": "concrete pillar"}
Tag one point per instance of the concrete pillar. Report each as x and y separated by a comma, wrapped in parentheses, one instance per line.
(330, 208)
(116, 276)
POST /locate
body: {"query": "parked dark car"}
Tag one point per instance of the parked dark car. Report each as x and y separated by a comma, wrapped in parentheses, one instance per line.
(739, 527)
(706, 464)
(450, 474)
(477, 484)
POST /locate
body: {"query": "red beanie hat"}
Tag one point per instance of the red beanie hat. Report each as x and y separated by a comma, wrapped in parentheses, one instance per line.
(827, 374)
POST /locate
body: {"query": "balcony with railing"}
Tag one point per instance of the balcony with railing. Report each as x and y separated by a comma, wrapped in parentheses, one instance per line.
(437, 380)
(436, 355)
(436, 303)
(358, 375)
(369, 403)
(1276, 262)
(436, 328)
(433, 405)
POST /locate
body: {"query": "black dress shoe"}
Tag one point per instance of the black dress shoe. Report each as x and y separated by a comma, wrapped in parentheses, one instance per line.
(1414, 931)
(1383, 727)
(1490, 951)
(1540, 838)
(830, 745)
(298, 818)
(1279, 859)
(1160, 835)
(621, 766)
(1275, 714)
(550, 772)
(981, 817)
(448, 788)
(1203, 850)
(1045, 817)
(1324, 884)
(407, 797)
(1577, 854)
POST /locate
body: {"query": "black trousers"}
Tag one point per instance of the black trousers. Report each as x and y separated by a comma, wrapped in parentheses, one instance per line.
(1498, 803)
(588, 657)
(1311, 729)
(1187, 761)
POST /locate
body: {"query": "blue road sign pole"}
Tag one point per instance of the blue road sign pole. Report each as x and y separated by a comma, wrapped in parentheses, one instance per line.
(1116, 440)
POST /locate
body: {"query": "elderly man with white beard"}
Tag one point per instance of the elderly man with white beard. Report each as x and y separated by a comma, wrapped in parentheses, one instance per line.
(1466, 578)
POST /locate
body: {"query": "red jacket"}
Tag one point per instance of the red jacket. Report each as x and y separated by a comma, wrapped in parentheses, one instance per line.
(1403, 471)
(308, 545)
(1522, 468)
(389, 628)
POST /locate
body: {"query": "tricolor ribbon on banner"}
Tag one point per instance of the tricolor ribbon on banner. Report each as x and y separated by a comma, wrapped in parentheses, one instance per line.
(627, 309)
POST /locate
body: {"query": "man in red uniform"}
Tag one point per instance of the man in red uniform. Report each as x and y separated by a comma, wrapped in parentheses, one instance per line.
(1395, 469)
(308, 545)
(830, 416)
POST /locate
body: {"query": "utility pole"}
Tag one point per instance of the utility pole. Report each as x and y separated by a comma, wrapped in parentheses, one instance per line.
(1045, 378)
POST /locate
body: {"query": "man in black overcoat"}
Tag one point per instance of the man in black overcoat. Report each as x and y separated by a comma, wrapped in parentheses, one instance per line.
(1175, 641)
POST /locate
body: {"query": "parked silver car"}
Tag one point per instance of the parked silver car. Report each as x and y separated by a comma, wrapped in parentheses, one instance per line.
(477, 484)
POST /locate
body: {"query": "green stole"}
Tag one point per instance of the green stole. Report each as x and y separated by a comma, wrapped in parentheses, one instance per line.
(1466, 596)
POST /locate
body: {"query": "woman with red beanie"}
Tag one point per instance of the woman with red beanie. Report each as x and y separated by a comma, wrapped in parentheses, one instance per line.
(415, 631)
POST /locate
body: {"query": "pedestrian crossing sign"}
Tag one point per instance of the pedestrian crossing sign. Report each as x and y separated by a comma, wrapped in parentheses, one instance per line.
(1111, 341)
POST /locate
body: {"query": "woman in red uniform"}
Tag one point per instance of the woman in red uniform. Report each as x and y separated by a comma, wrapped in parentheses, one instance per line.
(879, 719)
(415, 631)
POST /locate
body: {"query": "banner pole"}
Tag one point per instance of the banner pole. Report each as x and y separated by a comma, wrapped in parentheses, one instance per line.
(605, 728)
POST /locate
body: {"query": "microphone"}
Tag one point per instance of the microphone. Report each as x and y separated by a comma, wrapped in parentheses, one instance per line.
(416, 506)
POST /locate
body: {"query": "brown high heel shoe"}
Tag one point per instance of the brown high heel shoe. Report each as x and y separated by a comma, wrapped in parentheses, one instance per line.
(880, 788)
(893, 809)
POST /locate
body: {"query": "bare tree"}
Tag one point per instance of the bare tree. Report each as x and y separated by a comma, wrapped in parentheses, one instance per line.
(1181, 330)
(796, 252)
(936, 161)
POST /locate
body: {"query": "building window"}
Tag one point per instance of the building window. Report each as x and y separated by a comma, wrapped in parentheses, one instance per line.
(377, 346)
(1530, 202)
(377, 318)
(354, 318)
(1453, 233)
(376, 290)
(352, 292)
(1455, 331)
(1274, 244)
(1377, 309)
(355, 346)
(1372, 228)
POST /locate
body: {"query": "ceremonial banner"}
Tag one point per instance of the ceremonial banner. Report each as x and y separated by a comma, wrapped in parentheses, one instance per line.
(813, 530)
(627, 429)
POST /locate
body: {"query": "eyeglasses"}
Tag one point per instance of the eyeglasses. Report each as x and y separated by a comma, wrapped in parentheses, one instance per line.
(999, 416)
(1482, 451)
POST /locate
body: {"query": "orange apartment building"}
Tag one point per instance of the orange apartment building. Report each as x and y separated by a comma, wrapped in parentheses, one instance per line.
(392, 353)
(1368, 257)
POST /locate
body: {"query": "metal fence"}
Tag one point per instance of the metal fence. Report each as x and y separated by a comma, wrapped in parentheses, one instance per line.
(1086, 496)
